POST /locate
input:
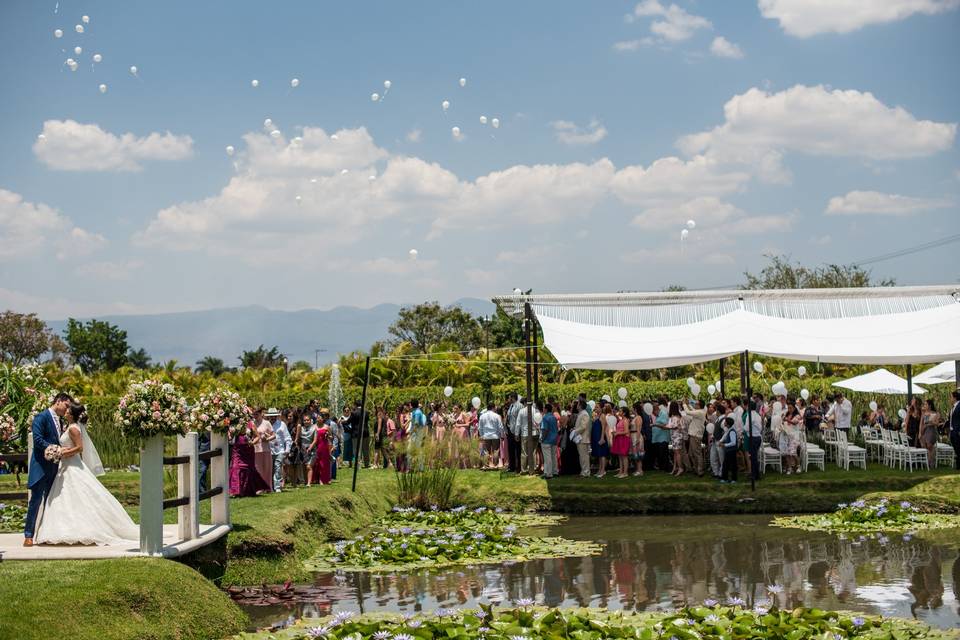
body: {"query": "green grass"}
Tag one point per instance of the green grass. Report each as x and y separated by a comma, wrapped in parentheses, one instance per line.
(112, 600)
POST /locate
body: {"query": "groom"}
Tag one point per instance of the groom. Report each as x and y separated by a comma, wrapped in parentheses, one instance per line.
(46, 431)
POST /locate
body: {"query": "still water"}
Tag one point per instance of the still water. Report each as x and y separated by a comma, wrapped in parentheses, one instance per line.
(652, 563)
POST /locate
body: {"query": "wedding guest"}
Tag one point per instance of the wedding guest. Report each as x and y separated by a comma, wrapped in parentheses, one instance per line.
(261, 447)
(581, 437)
(308, 444)
(296, 472)
(929, 436)
(360, 426)
(324, 458)
(491, 431)
(953, 424)
(695, 429)
(569, 457)
(599, 442)
(381, 431)
(621, 440)
(914, 413)
(346, 432)
(675, 427)
(245, 480)
(280, 446)
(728, 443)
(637, 444)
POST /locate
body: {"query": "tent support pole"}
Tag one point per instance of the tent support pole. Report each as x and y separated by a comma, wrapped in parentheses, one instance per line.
(723, 381)
(956, 373)
(527, 400)
(909, 385)
(534, 337)
(363, 425)
(754, 471)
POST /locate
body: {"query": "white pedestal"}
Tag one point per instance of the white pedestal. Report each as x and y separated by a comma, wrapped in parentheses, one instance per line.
(151, 496)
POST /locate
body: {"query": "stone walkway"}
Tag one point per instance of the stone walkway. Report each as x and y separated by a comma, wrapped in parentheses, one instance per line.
(11, 546)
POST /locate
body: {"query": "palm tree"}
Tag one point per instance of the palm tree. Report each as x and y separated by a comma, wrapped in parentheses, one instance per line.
(214, 366)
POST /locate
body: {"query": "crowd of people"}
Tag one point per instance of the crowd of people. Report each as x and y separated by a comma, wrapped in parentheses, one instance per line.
(677, 436)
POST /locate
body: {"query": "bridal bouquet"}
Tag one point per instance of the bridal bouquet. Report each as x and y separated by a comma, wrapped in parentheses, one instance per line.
(221, 411)
(152, 408)
(53, 453)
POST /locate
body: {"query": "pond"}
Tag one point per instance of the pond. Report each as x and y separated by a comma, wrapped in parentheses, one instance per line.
(654, 563)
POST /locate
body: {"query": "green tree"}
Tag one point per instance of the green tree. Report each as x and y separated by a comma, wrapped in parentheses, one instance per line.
(427, 325)
(24, 337)
(781, 273)
(301, 365)
(261, 358)
(138, 359)
(96, 345)
(503, 330)
(214, 366)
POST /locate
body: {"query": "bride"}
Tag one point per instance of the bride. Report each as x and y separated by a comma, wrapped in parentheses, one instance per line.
(79, 509)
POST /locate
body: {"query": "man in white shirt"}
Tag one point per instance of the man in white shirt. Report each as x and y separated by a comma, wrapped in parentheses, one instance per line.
(529, 437)
(490, 430)
(840, 413)
(279, 447)
(697, 424)
(581, 431)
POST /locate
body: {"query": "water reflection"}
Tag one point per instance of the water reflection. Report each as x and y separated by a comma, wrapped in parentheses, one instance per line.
(652, 563)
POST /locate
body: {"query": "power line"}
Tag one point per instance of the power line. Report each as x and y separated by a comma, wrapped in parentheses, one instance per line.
(933, 244)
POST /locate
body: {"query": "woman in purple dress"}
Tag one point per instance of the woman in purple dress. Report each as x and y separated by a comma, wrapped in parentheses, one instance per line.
(244, 479)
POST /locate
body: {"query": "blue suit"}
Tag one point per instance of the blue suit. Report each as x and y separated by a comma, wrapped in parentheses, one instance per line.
(42, 471)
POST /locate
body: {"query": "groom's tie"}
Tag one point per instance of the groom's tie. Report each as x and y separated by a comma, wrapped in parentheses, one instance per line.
(56, 420)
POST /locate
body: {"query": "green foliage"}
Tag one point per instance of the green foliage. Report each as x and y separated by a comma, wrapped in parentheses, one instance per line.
(24, 338)
(781, 273)
(427, 325)
(96, 345)
(871, 515)
(138, 359)
(12, 517)
(261, 358)
(733, 621)
(464, 518)
(214, 366)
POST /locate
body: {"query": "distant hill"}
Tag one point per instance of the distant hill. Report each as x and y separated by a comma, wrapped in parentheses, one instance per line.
(224, 333)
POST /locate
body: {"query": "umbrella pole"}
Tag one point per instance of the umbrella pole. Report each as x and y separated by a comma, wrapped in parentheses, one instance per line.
(909, 385)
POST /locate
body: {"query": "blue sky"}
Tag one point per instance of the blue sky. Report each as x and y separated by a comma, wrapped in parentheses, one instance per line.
(828, 133)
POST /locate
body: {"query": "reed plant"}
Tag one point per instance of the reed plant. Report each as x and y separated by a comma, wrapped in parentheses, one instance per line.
(427, 467)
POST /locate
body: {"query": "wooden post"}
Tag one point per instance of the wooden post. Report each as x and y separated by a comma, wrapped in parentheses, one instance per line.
(363, 424)
(219, 474)
(909, 386)
(188, 484)
(723, 381)
(151, 496)
(754, 458)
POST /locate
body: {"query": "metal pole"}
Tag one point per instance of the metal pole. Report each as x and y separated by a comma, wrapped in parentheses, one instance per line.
(536, 357)
(528, 400)
(909, 385)
(956, 373)
(363, 424)
(723, 382)
(753, 452)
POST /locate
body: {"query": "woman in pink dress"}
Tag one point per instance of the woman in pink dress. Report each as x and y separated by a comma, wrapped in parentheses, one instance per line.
(244, 479)
(321, 464)
(261, 448)
(621, 441)
(461, 434)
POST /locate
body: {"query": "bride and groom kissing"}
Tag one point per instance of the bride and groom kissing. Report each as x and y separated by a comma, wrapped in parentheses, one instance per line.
(68, 504)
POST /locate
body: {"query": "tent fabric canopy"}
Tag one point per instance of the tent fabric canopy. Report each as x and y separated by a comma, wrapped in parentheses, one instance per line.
(894, 325)
(943, 372)
(879, 381)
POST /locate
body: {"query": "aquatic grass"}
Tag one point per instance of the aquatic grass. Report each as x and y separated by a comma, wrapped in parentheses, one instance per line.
(863, 516)
(463, 517)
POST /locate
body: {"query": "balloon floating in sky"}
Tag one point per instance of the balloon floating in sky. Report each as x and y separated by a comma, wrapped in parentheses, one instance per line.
(77, 50)
(229, 148)
(448, 391)
(445, 105)
(78, 28)
(97, 57)
(133, 69)
(371, 178)
(691, 224)
(804, 394)
(483, 119)
(268, 123)
(103, 89)
(41, 138)
(334, 137)
(72, 64)
(85, 19)
(475, 402)
(295, 83)
(298, 199)
(374, 97)
(275, 134)
(463, 82)
(387, 84)
(496, 123)
(684, 234)
(456, 132)
(254, 83)
(413, 254)
(58, 33)
(344, 172)
(758, 367)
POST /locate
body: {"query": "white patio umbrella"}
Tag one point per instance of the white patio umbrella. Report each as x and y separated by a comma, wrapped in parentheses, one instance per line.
(879, 381)
(943, 372)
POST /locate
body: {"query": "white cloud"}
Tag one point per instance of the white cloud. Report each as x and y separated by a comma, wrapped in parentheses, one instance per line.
(866, 202)
(27, 228)
(570, 133)
(532, 255)
(390, 266)
(675, 252)
(71, 146)
(710, 213)
(805, 18)
(672, 179)
(116, 271)
(723, 48)
(760, 127)
(633, 45)
(671, 24)
(481, 277)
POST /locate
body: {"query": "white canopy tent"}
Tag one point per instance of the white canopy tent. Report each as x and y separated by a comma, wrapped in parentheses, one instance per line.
(943, 372)
(879, 381)
(889, 325)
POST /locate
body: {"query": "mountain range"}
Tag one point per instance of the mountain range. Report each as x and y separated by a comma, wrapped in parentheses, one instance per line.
(314, 335)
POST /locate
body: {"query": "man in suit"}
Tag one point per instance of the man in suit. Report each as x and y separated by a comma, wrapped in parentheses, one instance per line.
(47, 429)
(954, 423)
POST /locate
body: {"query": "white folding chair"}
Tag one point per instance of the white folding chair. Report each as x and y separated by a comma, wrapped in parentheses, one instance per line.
(830, 444)
(810, 454)
(874, 443)
(945, 454)
(893, 451)
(850, 454)
(913, 455)
(770, 457)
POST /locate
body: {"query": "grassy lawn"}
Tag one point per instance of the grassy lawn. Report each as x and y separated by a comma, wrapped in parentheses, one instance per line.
(112, 600)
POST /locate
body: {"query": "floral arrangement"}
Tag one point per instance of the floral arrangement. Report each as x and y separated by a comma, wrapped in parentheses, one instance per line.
(53, 453)
(152, 408)
(221, 411)
(23, 390)
(458, 536)
(870, 515)
(8, 433)
(731, 621)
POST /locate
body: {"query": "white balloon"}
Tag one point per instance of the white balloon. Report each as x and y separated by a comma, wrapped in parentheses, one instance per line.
(717, 384)
(801, 371)
(313, 181)
(463, 82)
(334, 137)
(496, 123)
(58, 33)
(229, 149)
(695, 389)
(456, 132)
(387, 84)
(77, 50)
(254, 83)
(691, 224)
(103, 89)
(622, 404)
(371, 178)
(684, 234)
(591, 404)
(133, 69)
(873, 405)
(275, 134)
(622, 392)
(648, 408)
(97, 57)
(295, 83)
(78, 28)
(902, 413)
(475, 402)
(483, 119)
(268, 123)
(804, 394)
(711, 428)
(374, 97)
(445, 105)
(711, 389)
(780, 389)
(72, 64)
(296, 140)
(85, 19)
(414, 253)
(758, 367)
(448, 391)
(690, 382)
(605, 398)
(41, 138)
(298, 199)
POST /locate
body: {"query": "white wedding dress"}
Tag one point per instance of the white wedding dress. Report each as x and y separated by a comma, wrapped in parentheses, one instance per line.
(79, 509)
